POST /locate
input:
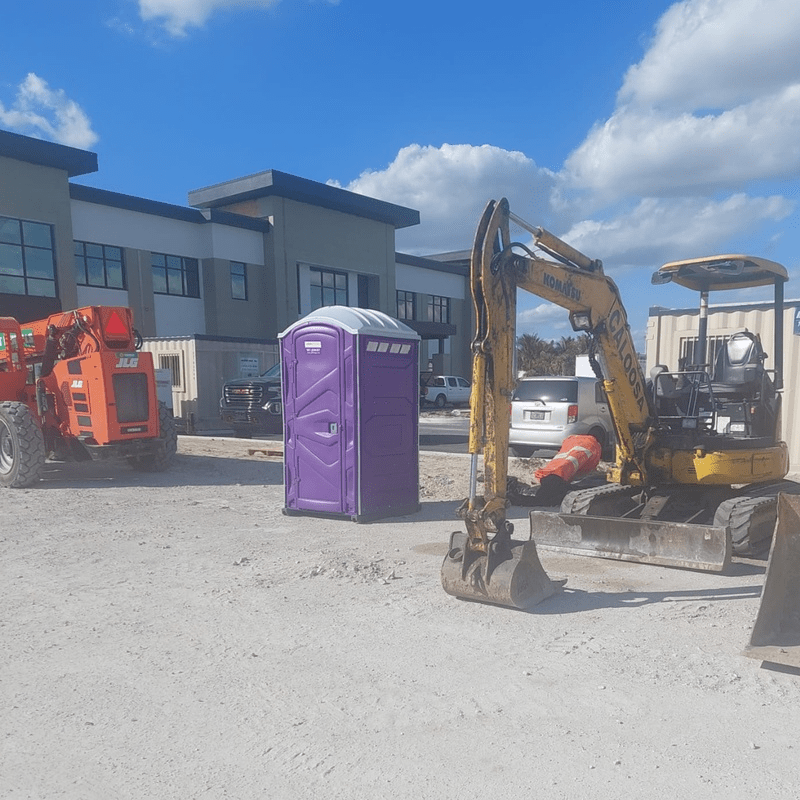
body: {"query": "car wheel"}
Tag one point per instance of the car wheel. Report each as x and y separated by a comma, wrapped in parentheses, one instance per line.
(520, 451)
(440, 401)
(601, 437)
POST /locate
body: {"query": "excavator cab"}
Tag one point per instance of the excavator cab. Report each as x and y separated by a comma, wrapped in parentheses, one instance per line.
(741, 396)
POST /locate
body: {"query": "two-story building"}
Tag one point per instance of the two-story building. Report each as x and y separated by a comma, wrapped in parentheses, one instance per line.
(211, 284)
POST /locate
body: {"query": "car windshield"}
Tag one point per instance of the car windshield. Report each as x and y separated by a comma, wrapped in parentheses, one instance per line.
(547, 391)
(273, 372)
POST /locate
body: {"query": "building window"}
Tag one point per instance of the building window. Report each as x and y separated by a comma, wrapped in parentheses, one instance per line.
(27, 264)
(328, 288)
(99, 265)
(172, 362)
(176, 275)
(438, 308)
(238, 280)
(406, 305)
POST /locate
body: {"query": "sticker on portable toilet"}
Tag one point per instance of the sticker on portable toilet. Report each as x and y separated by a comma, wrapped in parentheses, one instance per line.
(312, 347)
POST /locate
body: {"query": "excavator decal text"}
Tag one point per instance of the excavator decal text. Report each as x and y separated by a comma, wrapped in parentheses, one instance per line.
(617, 329)
(557, 285)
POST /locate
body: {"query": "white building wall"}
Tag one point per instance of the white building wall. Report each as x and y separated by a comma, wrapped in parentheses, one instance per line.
(178, 316)
(410, 278)
(234, 244)
(92, 222)
(118, 226)
(97, 296)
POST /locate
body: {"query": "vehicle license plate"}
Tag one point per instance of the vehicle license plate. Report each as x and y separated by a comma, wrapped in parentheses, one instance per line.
(534, 414)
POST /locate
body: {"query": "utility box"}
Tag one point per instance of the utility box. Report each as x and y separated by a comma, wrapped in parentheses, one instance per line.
(351, 415)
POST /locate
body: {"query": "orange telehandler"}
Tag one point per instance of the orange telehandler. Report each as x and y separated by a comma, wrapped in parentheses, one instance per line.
(74, 387)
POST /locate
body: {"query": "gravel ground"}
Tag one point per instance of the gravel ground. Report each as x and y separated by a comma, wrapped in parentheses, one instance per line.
(175, 636)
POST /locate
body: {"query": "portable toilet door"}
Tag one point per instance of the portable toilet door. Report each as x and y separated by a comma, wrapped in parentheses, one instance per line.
(351, 405)
(317, 368)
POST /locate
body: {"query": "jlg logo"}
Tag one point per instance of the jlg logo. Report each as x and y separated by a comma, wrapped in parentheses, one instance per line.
(127, 360)
(76, 384)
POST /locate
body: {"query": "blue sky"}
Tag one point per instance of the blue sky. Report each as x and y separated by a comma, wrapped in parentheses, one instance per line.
(640, 132)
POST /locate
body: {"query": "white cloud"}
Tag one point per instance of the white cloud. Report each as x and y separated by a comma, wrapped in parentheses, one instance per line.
(644, 152)
(450, 185)
(546, 319)
(717, 54)
(714, 103)
(41, 111)
(659, 230)
(176, 16)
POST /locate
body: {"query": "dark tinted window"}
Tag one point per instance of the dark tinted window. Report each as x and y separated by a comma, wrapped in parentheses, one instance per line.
(273, 372)
(550, 391)
(599, 394)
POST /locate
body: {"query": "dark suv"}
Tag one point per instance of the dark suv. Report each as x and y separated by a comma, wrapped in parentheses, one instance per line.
(253, 405)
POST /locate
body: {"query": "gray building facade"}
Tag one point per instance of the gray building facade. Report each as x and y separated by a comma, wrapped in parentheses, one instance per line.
(242, 261)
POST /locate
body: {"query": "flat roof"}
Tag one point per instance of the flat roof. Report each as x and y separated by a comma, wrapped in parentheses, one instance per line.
(426, 262)
(47, 154)
(281, 184)
(103, 197)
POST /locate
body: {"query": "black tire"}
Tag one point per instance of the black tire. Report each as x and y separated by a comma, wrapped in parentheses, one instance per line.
(243, 433)
(158, 462)
(602, 437)
(521, 451)
(440, 401)
(22, 453)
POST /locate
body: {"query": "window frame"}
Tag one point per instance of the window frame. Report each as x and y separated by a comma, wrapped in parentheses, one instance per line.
(337, 290)
(242, 275)
(27, 250)
(407, 297)
(438, 308)
(106, 260)
(187, 267)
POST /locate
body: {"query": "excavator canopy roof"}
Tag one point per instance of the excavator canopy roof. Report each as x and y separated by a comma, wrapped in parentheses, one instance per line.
(715, 273)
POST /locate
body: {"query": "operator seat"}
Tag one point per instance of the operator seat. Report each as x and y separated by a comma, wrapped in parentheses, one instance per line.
(666, 392)
(739, 367)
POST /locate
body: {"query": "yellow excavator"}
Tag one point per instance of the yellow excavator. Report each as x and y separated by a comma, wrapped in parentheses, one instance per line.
(699, 464)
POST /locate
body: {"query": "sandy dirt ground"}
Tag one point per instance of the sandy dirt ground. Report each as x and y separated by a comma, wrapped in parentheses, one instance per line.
(175, 636)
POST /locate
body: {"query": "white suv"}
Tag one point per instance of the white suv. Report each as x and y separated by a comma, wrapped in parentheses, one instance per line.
(444, 389)
(547, 409)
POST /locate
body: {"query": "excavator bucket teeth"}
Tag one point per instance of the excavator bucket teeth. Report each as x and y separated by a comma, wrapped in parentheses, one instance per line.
(671, 544)
(509, 576)
(776, 632)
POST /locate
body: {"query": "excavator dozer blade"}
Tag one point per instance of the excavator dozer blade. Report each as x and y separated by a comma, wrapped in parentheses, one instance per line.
(670, 544)
(509, 576)
(776, 632)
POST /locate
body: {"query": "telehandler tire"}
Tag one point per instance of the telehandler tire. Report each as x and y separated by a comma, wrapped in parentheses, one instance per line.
(22, 453)
(158, 462)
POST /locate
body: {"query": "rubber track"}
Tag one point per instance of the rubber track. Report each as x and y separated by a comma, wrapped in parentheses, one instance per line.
(579, 502)
(751, 516)
(30, 454)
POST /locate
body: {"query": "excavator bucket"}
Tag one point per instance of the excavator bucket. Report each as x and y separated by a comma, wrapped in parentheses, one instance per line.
(776, 632)
(670, 544)
(509, 575)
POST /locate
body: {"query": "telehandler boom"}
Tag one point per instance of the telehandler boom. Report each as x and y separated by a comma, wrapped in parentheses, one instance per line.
(684, 440)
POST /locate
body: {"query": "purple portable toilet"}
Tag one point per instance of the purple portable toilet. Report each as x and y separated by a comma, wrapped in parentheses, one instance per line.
(351, 414)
